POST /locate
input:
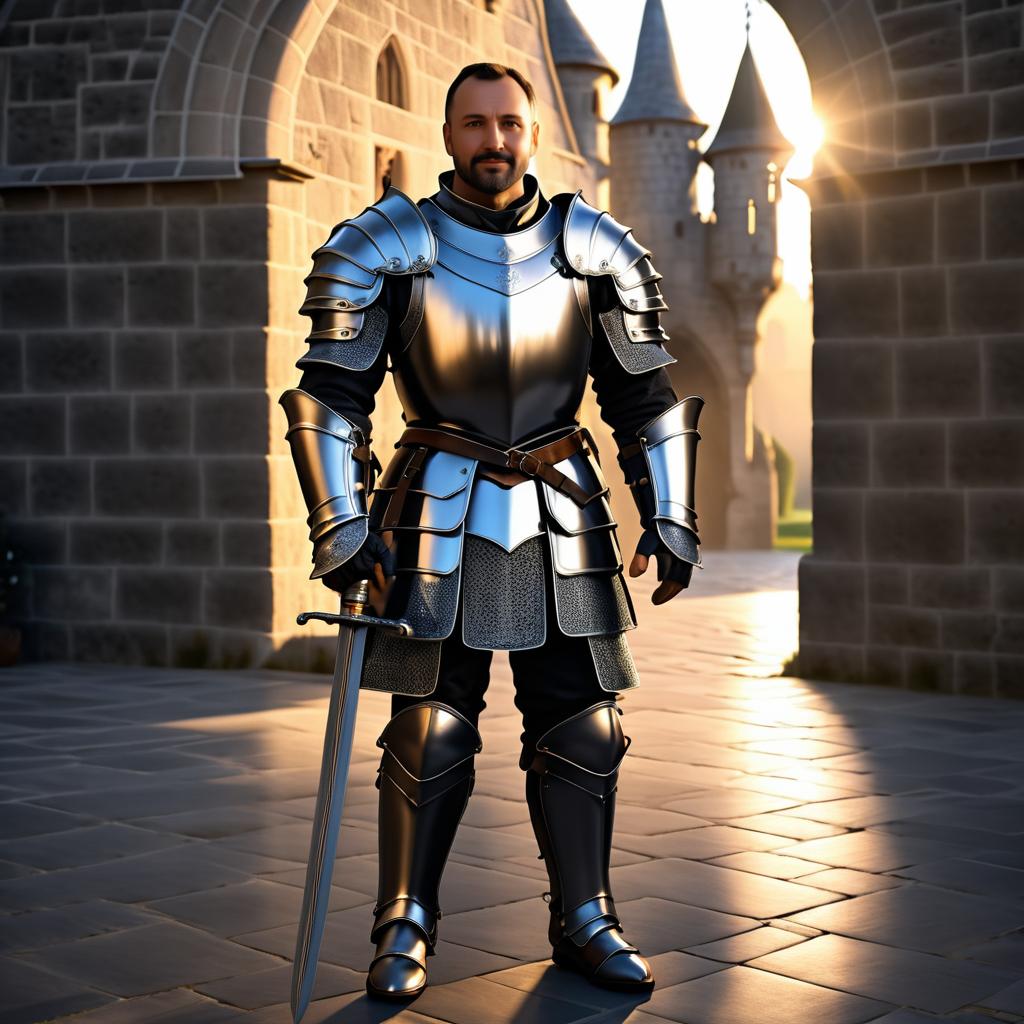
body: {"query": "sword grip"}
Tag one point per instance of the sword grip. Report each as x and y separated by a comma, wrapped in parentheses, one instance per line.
(356, 597)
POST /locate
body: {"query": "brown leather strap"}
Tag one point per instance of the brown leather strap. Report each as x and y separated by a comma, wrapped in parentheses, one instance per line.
(397, 499)
(535, 462)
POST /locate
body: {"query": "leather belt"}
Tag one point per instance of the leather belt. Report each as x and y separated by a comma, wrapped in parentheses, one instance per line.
(531, 462)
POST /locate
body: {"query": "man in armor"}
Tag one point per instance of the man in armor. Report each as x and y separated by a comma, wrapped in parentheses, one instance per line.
(491, 305)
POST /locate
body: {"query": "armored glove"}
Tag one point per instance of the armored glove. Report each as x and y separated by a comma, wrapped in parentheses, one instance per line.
(362, 564)
(660, 469)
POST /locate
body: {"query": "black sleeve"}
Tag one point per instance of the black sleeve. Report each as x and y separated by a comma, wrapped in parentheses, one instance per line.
(351, 393)
(627, 401)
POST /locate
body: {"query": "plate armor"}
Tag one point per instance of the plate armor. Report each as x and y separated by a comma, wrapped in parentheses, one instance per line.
(494, 345)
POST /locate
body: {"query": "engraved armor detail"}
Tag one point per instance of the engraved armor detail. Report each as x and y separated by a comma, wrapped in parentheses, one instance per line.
(389, 237)
(332, 480)
(669, 444)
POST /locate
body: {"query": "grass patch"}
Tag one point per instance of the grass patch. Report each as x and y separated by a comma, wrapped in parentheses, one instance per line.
(795, 532)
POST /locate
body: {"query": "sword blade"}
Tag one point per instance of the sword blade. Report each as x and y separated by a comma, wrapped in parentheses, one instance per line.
(330, 801)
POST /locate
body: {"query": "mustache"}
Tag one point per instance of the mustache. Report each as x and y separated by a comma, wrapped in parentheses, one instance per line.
(493, 156)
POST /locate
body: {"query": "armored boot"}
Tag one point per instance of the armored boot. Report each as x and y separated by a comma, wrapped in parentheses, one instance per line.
(425, 779)
(571, 778)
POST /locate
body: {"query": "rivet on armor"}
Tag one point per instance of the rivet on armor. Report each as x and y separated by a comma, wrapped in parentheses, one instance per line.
(633, 303)
(604, 264)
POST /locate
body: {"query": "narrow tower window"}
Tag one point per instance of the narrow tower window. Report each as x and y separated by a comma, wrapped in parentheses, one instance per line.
(390, 80)
(751, 217)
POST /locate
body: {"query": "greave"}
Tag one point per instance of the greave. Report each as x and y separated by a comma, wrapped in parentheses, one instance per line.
(425, 779)
(571, 778)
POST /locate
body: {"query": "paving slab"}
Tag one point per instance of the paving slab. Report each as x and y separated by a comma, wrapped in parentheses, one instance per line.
(918, 917)
(744, 995)
(899, 976)
(33, 994)
(176, 1006)
(738, 949)
(716, 888)
(144, 960)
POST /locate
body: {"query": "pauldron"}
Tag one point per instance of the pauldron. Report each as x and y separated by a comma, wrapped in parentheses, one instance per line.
(598, 245)
(349, 322)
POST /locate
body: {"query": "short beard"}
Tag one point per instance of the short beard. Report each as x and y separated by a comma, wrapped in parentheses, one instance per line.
(490, 183)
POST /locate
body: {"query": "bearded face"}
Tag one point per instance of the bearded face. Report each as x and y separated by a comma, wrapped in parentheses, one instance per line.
(492, 172)
(491, 136)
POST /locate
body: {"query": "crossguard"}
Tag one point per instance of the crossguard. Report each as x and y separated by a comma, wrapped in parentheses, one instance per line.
(398, 626)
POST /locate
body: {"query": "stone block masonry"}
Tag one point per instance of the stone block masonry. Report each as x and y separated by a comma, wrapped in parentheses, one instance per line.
(135, 426)
(919, 432)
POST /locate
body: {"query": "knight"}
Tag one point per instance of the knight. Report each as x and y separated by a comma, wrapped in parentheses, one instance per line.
(490, 529)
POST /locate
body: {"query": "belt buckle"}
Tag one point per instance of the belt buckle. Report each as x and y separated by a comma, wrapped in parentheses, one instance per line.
(515, 453)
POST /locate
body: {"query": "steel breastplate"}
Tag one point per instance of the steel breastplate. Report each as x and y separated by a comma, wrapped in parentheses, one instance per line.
(502, 348)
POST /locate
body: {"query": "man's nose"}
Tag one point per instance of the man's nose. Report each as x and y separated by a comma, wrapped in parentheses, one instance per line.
(493, 136)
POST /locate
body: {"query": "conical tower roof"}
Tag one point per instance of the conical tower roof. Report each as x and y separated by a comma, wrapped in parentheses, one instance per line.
(570, 41)
(655, 92)
(748, 122)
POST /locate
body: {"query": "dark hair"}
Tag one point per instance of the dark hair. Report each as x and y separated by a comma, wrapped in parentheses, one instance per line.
(489, 72)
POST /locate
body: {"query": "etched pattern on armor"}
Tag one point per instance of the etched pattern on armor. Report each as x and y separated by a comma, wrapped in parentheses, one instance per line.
(502, 598)
(613, 662)
(397, 665)
(634, 357)
(357, 354)
(590, 605)
(427, 602)
(339, 546)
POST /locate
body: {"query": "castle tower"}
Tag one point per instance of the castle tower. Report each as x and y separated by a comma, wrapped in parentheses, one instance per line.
(747, 156)
(654, 155)
(586, 78)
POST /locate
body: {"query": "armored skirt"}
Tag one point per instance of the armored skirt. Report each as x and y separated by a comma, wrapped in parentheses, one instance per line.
(468, 535)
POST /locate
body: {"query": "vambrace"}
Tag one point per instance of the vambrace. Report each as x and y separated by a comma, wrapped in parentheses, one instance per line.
(333, 463)
(661, 470)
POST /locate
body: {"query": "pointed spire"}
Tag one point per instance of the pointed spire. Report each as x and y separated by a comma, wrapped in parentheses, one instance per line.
(748, 122)
(571, 42)
(655, 92)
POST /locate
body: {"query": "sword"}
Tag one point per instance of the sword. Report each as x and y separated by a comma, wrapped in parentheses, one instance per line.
(330, 797)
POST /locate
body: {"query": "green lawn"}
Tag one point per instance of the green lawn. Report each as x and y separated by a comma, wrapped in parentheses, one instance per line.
(795, 532)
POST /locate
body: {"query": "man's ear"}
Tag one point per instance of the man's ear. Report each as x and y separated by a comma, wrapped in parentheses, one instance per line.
(533, 141)
(446, 133)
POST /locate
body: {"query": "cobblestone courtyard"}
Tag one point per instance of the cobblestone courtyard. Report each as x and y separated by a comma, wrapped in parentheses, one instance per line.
(786, 850)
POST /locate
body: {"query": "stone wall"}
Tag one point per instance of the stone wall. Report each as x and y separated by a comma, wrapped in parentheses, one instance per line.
(917, 575)
(135, 418)
(167, 174)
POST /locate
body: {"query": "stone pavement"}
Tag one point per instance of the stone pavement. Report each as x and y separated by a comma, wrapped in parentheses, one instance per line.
(785, 850)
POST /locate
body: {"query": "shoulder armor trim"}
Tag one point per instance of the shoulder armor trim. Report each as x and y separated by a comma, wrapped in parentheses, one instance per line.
(391, 236)
(597, 244)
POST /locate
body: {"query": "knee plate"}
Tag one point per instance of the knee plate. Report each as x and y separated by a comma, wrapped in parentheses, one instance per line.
(585, 750)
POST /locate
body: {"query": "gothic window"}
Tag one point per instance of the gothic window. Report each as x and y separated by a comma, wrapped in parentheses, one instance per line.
(390, 80)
